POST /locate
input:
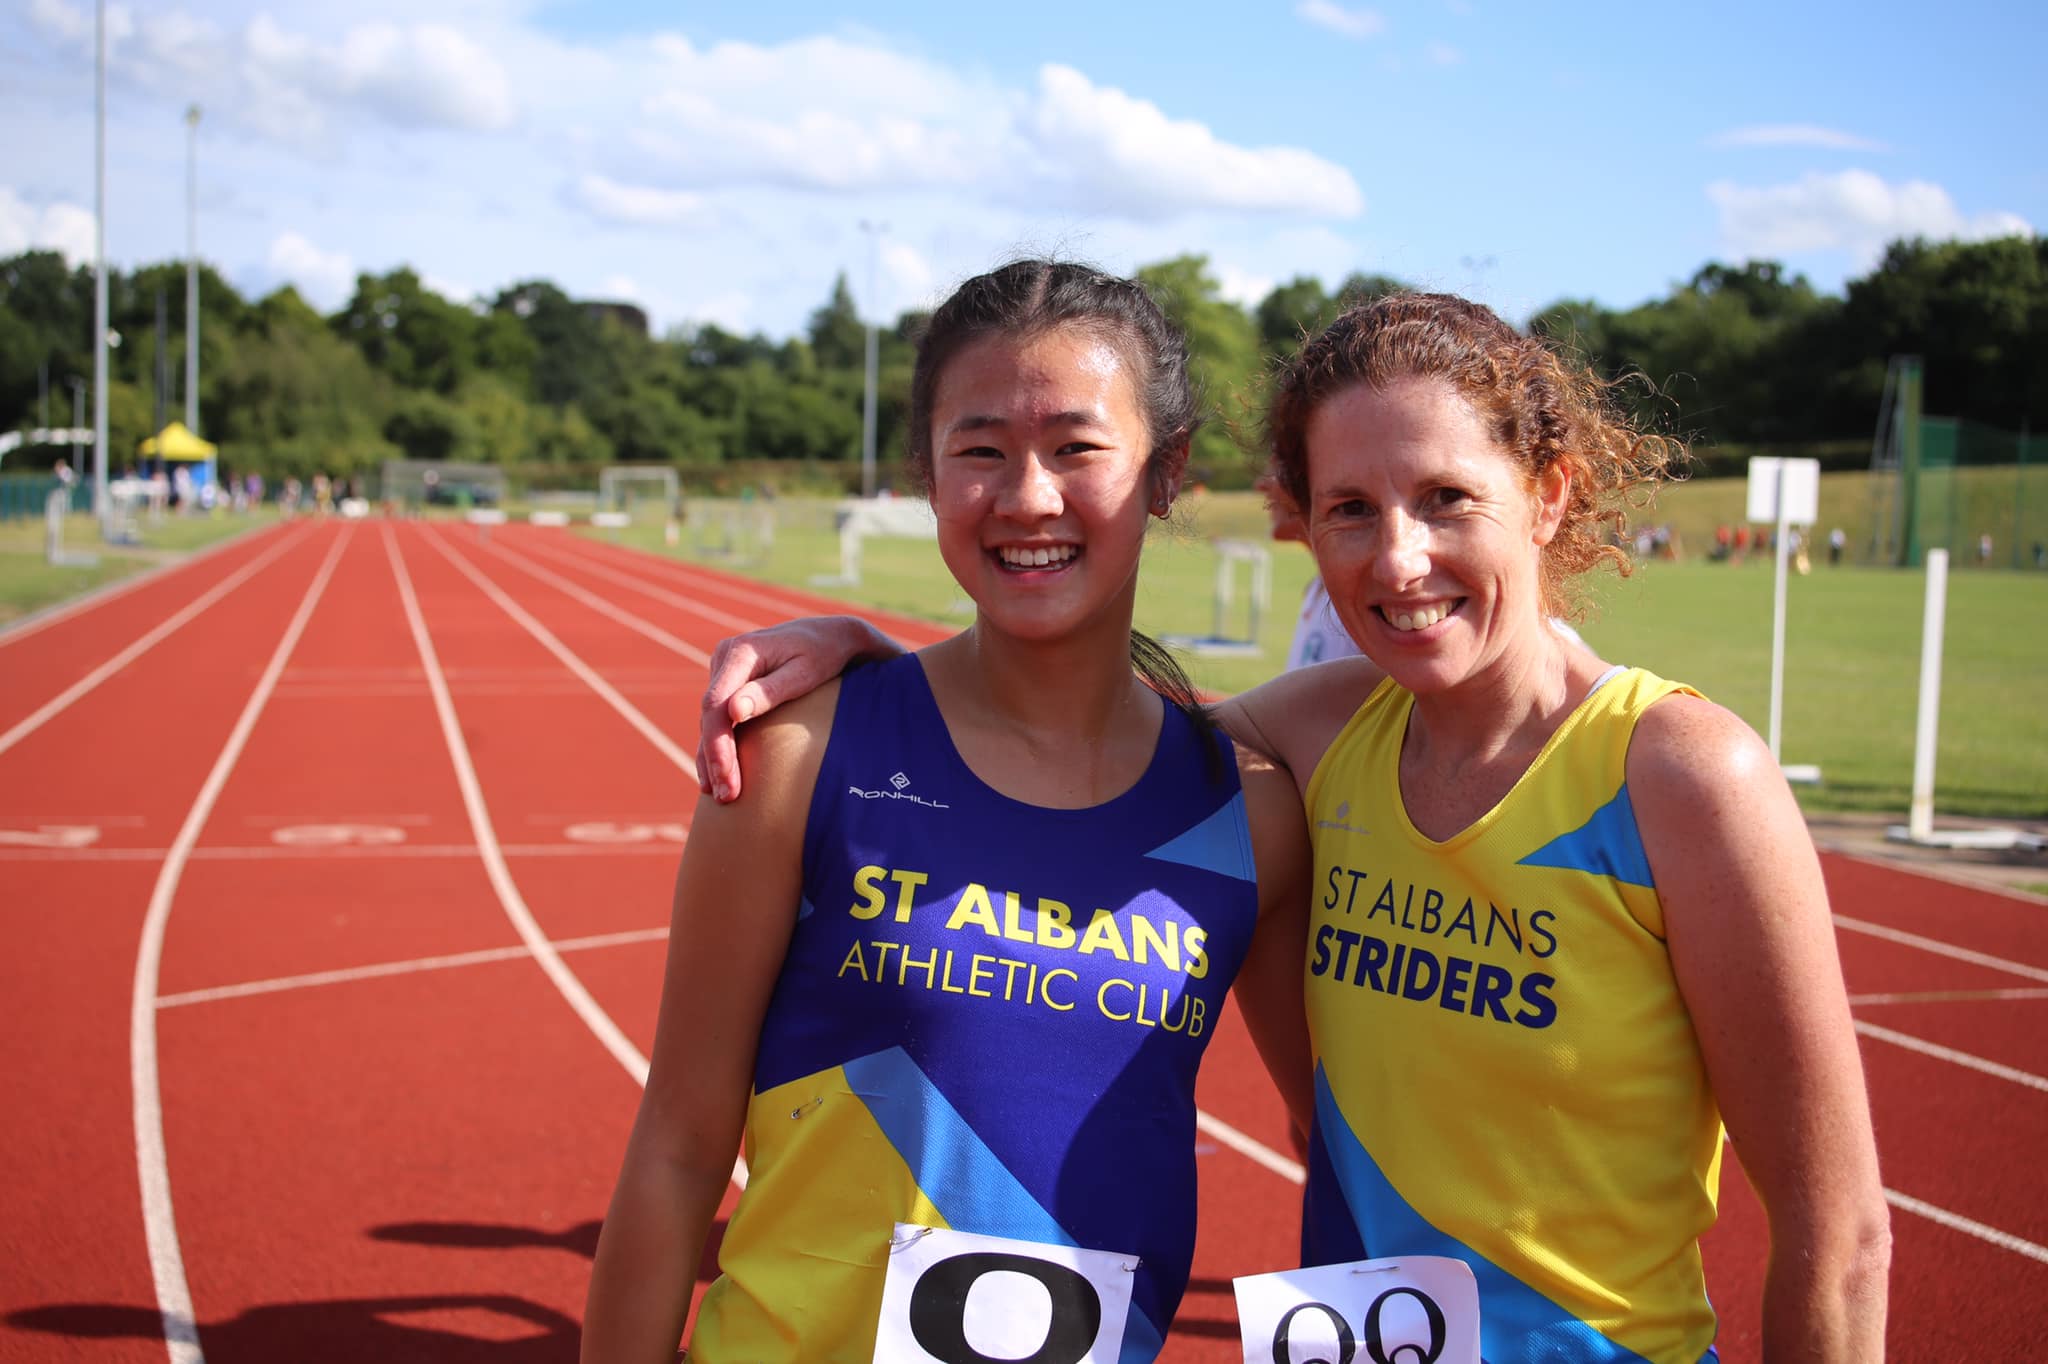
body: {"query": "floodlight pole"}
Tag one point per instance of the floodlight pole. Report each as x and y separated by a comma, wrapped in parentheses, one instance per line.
(874, 233)
(1778, 616)
(192, 269)
(99, 284)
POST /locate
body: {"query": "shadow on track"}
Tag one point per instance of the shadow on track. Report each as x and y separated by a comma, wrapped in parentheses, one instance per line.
(390, 1330)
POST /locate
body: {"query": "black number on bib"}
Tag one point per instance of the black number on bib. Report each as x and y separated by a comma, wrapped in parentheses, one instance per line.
(1347, 1345)
(1404, 1353)
(938, 1309)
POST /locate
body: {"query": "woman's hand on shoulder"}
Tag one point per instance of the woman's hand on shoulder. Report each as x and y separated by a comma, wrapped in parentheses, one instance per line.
(753, 673)
(1269, 984)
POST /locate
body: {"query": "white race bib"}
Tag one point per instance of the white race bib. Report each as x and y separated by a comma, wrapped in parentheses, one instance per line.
(1420, 1309)
(952, 1297)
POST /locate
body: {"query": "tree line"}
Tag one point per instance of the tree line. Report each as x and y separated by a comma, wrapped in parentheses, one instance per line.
(1735, 357)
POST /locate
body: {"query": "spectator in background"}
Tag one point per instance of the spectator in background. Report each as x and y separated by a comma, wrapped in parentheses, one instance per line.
(1318, 634)
(1838, 540)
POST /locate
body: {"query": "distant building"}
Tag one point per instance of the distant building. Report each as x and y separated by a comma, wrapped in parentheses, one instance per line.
(631, 316)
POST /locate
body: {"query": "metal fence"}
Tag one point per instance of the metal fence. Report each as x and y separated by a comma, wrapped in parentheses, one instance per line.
(1981, 494)
(27, 495)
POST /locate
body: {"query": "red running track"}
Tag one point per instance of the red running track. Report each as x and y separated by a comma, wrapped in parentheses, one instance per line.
(334, 919)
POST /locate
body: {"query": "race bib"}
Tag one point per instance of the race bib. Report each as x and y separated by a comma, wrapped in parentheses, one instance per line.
(1420, 1309)
(952, 1297)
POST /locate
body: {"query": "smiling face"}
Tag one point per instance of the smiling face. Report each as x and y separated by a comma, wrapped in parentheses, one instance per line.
(1039, 481)
(1427, 533)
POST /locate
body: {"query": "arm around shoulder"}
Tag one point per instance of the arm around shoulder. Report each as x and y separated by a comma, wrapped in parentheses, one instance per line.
(1294, 717)
(1269, 985)
(734, 909)
(1753, 950)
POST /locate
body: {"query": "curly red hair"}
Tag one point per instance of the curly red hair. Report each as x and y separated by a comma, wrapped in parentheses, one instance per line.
(1545, 410)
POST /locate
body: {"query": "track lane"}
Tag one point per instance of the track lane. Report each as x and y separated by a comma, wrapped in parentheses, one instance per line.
(1954, 1295)
(129, 763)
(432, 1102)
(39, 665)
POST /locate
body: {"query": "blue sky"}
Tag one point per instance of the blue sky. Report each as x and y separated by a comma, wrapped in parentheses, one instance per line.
(716, 161)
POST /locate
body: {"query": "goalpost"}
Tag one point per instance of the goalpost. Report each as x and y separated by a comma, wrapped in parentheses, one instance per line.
(1257, 561)
(630, 487)
(418, 483)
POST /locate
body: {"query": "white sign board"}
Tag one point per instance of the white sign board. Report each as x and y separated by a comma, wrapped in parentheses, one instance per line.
(1418, 1307)
(1802, 490)
(951, 1297)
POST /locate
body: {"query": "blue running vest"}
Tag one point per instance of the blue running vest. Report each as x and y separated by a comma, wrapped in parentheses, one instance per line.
(989, 1019)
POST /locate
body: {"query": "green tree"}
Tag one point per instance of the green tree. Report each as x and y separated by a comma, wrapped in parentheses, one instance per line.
(570, 362)
(1223, 352)
(409, 332)
(838, 337)
(1292, 313)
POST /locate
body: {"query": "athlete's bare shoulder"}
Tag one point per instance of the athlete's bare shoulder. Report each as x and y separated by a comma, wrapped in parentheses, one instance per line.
(1294, 717)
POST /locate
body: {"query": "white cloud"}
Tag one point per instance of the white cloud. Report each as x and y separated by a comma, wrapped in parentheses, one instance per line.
(907, 279)
(425, 75)
(813, 148)
(1351, 23)
(1123, 154)
(730, 310)
(1794, 135)
(785, 117)
(325, 279)
(64, 228)
(1242, 287)
(1443, 54)
(291, 86)
(637, 205)
(1853, 211)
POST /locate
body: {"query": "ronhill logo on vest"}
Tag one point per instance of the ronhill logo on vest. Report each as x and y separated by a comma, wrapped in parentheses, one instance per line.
(901, 791)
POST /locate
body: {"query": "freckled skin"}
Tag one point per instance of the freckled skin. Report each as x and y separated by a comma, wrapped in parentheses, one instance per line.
(1414, 507)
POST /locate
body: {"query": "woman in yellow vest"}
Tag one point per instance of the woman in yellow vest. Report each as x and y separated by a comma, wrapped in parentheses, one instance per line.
(1567, 920)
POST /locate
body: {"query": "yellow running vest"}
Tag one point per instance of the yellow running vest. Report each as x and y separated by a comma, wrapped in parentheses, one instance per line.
(1505, 1070)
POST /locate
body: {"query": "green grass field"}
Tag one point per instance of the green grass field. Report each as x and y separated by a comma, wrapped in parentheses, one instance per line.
(1852, 656)
(29, 582)
(1852, 650)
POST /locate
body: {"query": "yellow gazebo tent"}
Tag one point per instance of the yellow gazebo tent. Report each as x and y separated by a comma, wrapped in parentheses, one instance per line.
(176, 441)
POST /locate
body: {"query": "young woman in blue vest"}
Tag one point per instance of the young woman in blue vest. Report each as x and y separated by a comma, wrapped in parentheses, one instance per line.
(952, 964)
(1566, 921)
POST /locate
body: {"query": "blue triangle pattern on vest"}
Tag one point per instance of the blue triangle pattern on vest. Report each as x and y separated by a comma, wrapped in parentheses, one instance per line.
(1217, 844)
(1608, 844)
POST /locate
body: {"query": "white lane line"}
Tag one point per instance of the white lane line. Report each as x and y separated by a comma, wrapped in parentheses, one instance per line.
(63, 699)
(36, 622)
(604, 608)
(593, 1015)
(357, 851)
(1952, 1056)
(1250, 1147)
(1939, 948)
(1946, 996)
(2004, 1240)
(675, 599)
(159, 1223)
(280, 984)
(626, 709)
